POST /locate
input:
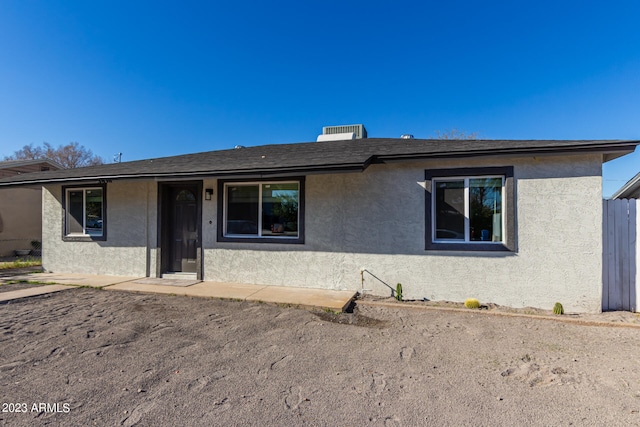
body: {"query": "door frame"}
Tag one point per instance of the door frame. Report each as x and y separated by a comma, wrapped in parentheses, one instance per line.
(164, 232)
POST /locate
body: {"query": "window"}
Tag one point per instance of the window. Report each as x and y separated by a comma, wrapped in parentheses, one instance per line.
(84, 213)
(470, 209)
(268, 211)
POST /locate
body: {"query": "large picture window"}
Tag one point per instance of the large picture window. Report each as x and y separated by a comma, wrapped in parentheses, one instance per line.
(265, 211)
(470, 209)
(84, 212)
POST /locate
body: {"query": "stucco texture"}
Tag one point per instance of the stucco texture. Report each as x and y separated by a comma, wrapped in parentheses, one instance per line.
(125, 251)
(20, 219)
(376, 220)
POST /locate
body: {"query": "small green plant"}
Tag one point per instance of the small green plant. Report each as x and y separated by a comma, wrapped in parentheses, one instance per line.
(471, 303)
(399, 291)
(558, 309)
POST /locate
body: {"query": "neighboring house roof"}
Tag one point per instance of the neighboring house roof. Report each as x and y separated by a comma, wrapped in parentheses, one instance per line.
(318, 157)
(20, 163)
(17, 167)
(631, 190)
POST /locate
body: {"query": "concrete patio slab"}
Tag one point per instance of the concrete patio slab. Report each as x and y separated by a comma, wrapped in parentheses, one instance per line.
(232, 290)
(202, 289)
(30, 292)
(307, 297)
(320, 298)
(335, 300)
(167, 282)
(93, 280)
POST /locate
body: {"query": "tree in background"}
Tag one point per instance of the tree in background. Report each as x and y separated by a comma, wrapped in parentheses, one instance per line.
(455, 134)
(72, 155)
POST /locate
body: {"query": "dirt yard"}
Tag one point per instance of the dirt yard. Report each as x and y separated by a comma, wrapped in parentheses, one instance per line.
(89, 357)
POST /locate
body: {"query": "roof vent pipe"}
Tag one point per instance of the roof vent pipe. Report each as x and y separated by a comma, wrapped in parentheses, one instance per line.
(406, 136)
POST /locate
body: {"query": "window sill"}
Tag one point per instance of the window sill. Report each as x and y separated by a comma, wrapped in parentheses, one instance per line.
(83, 238)
(469, 247)
(278, 240)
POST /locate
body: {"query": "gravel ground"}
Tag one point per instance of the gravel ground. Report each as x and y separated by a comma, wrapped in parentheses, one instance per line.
(89, 357)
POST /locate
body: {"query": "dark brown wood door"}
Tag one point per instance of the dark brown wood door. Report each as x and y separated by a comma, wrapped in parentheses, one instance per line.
(184, 229)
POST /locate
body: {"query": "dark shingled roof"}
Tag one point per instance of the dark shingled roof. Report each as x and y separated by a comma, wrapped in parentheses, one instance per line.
(316, 157)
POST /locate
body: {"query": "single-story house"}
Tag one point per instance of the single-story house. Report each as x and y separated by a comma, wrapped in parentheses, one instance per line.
(517, 223)
(21, 207)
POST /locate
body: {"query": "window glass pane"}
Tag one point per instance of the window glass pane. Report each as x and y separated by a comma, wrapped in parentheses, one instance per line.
(186, 195)
(449, 210)
(94, 212)
(75, 212)
(280, 209)
(242, 209)
(485, 209)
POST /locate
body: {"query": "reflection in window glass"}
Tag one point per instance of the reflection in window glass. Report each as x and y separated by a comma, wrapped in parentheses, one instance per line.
(485, 209)
(75, 212)
(242, 209)
(85, 210)
(186, 196)
(468, 209)
(449, 210)
(280, 209)
(268, 209)
(94, 212)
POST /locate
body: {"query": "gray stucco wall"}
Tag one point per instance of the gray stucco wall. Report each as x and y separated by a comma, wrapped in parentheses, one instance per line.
(20, 219)
(125, 253)
(376, 220)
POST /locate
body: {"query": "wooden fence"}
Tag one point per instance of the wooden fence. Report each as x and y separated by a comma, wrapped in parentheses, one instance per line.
(620, 255)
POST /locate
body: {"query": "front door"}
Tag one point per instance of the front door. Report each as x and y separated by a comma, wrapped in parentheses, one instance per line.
(181, 236)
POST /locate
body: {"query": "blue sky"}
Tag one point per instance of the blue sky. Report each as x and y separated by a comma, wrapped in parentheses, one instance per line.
(152, 79)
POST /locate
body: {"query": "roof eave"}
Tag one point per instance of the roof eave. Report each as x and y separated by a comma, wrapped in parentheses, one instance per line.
(240, 173)
(627, 190)
(609, 152)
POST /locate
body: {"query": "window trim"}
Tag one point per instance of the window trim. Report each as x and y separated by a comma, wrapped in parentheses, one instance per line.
(84, 237)
(222, 212)
(508, 203)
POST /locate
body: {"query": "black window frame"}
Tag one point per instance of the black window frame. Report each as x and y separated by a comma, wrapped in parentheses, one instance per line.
(84, 238)
(509, 214)
(253, 239)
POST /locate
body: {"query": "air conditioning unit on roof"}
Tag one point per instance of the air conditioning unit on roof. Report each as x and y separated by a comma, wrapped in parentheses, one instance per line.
(359, 130)
(336, 137)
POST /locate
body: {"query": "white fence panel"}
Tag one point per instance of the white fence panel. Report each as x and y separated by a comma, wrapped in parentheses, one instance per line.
(620, 255)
